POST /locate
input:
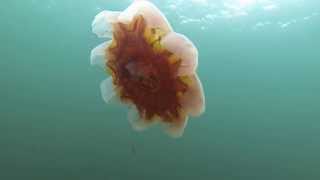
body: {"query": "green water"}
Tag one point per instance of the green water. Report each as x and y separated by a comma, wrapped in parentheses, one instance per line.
(260, 74)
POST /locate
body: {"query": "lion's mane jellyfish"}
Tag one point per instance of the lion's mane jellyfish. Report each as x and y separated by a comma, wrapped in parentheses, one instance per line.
(152, 68)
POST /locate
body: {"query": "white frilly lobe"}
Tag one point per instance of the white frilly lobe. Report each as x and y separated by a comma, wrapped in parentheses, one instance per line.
(107, 90)
(193, 100)
(98, 55)
(137, 123)
(176, 129)
(102, 23)
(181, 46)
(153, 16)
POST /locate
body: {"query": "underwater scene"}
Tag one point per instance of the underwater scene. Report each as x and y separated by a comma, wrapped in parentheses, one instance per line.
(160, 89)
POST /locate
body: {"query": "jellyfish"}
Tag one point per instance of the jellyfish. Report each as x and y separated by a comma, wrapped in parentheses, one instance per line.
(150, 67)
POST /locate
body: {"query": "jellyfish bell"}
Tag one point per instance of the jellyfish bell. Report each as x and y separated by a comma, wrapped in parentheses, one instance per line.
(151, 68)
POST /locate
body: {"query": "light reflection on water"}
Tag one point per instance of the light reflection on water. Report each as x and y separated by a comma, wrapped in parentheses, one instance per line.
(279, 13)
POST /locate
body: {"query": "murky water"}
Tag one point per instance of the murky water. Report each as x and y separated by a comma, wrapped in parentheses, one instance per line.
(258, 62)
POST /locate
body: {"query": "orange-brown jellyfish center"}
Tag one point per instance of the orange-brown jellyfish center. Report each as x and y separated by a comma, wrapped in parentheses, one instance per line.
(144, 72)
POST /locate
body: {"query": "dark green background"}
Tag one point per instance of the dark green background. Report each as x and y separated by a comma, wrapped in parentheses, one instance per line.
(262, 87)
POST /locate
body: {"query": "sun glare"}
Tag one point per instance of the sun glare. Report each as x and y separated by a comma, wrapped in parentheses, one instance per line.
(246, 3)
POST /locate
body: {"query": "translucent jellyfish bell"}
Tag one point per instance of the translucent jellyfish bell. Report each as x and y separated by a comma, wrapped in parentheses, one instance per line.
(151, 67)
